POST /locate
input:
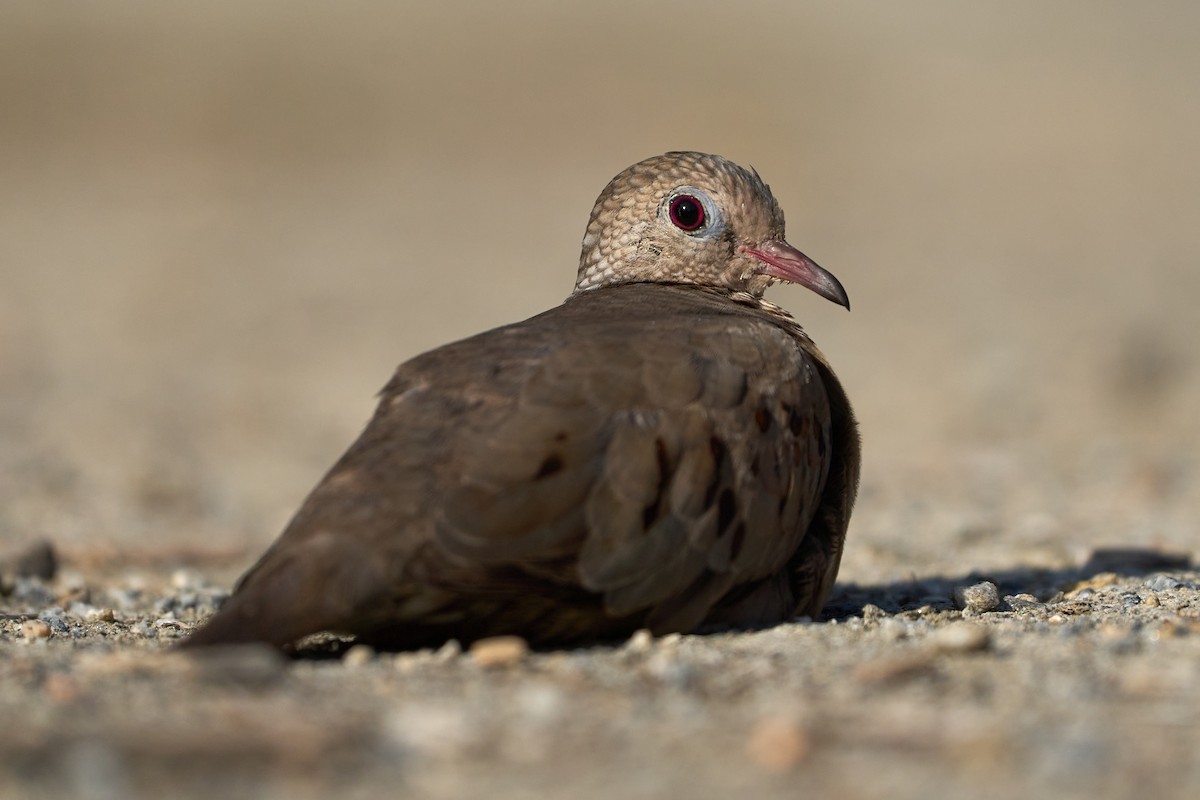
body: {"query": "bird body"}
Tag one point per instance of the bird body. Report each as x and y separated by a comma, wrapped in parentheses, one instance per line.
(664, 450)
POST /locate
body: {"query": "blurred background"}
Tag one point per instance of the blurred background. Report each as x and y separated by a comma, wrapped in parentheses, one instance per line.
(223, 224)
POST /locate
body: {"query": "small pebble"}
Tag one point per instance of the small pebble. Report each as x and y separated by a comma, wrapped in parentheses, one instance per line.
(1167, 629)
(127, 599)
(1098, 581)
(499, 651)
(432, 729)
(961, 638)
(1161, 583)
(60, 689)
(981, 597)
(893, 669)
(358, 655)
(666, 666)
(449, 651)
(777, 744)
(1024, 602)
(1073, 607)
(872, 613)
(1113, 630)
(81, 610)
(893, 629)
(72, 592)
(540, 704)
(186, 579)
(641, 641)
(165, 605)
(35, 629)
(1151, 600)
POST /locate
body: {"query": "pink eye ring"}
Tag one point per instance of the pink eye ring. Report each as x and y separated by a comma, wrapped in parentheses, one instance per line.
(687, 213)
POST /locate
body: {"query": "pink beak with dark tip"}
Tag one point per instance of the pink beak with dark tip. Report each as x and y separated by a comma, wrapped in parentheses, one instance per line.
(781, 260)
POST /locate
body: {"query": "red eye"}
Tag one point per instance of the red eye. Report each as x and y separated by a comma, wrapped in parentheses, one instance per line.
(687, 213)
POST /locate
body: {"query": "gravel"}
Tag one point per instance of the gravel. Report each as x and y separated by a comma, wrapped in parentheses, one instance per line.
(886, 697)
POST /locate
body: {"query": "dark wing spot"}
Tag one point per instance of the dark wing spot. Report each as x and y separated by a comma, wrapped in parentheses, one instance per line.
(762, 418)
(664, 466)
(739, 538)
(743, 389)
(551, 465)
(651, 512)
(726, 510)
(797, 421)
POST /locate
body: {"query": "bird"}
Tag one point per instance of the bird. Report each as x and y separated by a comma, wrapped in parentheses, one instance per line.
(665, 450)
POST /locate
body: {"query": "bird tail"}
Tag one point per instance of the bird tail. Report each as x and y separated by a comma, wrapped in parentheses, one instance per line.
(292, 592)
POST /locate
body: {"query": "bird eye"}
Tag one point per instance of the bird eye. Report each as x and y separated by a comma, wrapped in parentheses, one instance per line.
(687, 213)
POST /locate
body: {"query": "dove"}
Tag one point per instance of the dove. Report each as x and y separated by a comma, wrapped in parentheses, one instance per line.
(665, 450)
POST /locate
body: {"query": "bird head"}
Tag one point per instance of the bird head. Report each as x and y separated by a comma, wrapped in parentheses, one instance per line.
(694, 218)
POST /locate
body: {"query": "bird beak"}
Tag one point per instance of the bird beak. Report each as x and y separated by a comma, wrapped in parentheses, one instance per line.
(781, 260)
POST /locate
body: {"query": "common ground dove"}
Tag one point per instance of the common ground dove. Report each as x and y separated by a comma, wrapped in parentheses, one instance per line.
(664, 450)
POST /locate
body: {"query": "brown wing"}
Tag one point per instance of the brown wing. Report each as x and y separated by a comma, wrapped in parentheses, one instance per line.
(626, 459)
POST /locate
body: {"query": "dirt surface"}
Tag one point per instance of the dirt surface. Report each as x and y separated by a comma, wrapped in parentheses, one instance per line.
(898, 692)
(220, 231)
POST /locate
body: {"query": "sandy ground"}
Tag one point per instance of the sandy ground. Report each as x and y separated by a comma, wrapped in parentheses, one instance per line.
(221, 228)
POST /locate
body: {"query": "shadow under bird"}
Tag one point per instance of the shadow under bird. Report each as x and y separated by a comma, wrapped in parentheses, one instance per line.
(664, 450)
